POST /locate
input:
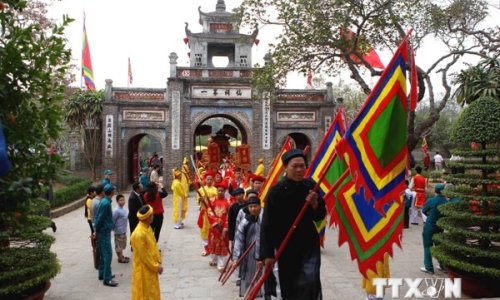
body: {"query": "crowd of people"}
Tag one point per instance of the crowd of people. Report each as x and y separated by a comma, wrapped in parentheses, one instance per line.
(230, 220)
(239, 233)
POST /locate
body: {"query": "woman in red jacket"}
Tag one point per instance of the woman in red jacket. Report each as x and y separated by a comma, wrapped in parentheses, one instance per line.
(154, 198)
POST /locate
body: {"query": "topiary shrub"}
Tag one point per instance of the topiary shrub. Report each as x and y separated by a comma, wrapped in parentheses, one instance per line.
(33, 66)
(471, 240)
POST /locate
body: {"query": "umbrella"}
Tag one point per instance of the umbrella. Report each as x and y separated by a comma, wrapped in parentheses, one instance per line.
(203, 130)
(199, 148)
(235, 143)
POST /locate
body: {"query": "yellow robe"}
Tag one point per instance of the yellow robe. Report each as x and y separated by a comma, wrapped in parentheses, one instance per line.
(212, 192)
(383, 271)
(260, 170)
(146, 259)
(184, 177)
(180, 194)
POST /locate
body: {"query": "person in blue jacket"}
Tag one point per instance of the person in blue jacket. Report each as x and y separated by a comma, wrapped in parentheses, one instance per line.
(103, 224)
(430, 209)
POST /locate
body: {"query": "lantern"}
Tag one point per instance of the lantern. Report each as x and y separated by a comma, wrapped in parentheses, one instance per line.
(186, 40)
(256, 41)
(189, 54)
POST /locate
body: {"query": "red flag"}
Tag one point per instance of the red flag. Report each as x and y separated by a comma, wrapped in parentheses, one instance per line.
(414, 82)
(130, 77)
(369, 55)
(310, 78)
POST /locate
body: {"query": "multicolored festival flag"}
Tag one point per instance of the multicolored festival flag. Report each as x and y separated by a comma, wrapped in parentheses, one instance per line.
(130, 76)
(424, 146)
(369, 207)
(326, 150)
(87, 72)
(275, 172)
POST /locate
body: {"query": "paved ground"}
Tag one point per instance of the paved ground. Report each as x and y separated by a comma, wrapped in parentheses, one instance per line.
(187, 274)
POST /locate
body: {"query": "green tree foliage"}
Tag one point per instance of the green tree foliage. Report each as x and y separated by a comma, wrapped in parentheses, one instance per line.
(313, 37)
(471, 242)
(478, 123)
(438, 135)
(480, 80)
(33, 68)
(84, 116)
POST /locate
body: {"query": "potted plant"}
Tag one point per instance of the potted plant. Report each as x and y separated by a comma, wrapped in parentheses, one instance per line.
(469, 247)
(33, 67)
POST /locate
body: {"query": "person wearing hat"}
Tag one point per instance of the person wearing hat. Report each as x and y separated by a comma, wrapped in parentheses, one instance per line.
(247, 233)
(185, 180)
(146, 263)
(179, 201)
(203, 197)
(217, 238)
(239, 196)
(107, 177)
(300, 262)
(260, 168)
(103, 224)
(257, 182)
(430, 209)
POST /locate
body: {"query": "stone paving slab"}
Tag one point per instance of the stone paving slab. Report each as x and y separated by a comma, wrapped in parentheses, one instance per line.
(187, 274)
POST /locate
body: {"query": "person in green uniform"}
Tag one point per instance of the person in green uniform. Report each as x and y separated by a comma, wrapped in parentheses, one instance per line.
(430, 209)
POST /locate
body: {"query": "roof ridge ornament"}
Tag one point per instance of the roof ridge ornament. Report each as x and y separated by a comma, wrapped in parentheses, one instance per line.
(221, 6)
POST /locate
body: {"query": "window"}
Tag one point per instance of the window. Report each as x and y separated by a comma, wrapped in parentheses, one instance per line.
(197, 61)
(243, 61)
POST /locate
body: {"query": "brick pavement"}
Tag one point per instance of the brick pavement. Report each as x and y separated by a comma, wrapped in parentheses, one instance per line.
(187, 274)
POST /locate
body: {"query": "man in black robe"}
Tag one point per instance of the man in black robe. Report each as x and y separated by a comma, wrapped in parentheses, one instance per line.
(299, 264)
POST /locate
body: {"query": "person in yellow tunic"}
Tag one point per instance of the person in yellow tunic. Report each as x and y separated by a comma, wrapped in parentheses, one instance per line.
(146, 265)
(203, 223)
(260, 168)
(383, 271)
(179, 204)
(185, 180)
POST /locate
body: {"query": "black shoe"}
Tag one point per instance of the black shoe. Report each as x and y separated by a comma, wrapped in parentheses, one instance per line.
(112, 276)
(110, 283)
(53, 226)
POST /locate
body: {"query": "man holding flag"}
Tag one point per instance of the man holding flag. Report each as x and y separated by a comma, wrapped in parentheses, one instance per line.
(300, 262)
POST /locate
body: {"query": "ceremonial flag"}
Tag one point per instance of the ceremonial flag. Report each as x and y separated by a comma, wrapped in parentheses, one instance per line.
(87, 72)
(424, 146)
(130, 77)
(370, 206)
(326, 150)
(310, 78)
(276, 171)
(368, 53)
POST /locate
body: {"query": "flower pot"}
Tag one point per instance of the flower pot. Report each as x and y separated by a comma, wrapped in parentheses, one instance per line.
(475, 286)
(39, 294)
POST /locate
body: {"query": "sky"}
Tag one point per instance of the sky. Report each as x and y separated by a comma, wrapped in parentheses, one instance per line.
(147, 31)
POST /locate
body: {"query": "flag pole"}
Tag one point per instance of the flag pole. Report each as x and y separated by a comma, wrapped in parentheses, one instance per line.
(81, 58)
(258, 285)
(128, 72)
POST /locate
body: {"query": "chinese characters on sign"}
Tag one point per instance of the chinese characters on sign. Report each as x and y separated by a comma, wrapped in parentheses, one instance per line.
(221, 92)
(109, 136)
(266, 122)
(328, 122)
(176, 120)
